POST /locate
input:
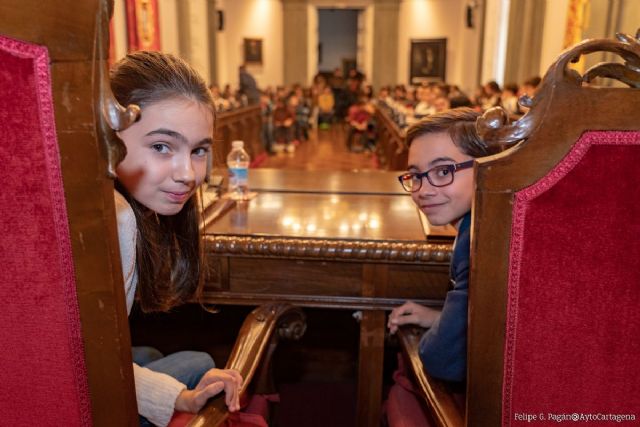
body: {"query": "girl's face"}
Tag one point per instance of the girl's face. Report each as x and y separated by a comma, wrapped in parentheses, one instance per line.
(441, 205)
(166, 154)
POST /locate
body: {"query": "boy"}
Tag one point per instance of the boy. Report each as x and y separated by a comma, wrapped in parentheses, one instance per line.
(440, 179)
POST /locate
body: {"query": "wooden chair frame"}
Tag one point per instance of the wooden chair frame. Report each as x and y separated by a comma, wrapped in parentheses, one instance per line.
(563, 109)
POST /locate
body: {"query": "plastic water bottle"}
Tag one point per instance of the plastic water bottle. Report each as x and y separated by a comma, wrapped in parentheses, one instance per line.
(238, 164)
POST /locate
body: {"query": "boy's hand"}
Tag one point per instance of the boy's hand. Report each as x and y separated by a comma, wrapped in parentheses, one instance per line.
(212, 383)
(411, 313)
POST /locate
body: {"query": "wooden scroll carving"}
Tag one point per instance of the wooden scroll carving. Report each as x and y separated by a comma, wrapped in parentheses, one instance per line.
(292, 325)
(494, 127)
(257, 339)
(413, 252)
(114, 116)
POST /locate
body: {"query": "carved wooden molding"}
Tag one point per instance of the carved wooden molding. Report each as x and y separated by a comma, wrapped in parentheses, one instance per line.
(217, 297)
(345, 250)
(436, 395)
(114, 116)
(252, 350)
(494, 127)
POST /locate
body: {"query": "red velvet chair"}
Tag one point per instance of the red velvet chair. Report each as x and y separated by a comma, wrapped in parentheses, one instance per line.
(66, 357)
(64, 336)
(555, 257)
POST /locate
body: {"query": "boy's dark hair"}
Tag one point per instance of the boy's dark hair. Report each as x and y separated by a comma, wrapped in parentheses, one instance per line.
(460, 125)
(169, 257)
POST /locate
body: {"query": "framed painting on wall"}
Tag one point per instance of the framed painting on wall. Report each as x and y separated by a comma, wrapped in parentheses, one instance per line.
(252, 51)
(428, 60)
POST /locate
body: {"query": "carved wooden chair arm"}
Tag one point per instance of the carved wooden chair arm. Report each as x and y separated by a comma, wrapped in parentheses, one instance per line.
(435, 394)
(254, 346)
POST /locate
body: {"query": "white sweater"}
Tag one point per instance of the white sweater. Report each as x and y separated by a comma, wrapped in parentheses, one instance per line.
(156, 392)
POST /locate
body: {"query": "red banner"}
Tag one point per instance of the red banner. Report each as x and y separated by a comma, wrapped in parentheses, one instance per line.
(143, 30)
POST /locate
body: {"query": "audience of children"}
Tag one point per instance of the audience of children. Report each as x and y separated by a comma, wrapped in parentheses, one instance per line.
(288, 112)
(408, 105)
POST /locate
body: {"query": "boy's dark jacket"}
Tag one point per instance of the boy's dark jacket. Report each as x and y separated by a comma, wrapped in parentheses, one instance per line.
(443, 348)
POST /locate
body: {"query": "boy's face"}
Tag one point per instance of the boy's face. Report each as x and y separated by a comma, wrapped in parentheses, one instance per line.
(441, 205)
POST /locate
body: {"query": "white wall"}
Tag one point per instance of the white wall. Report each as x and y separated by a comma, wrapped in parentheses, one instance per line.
(251, 19)
(198, 32)
(168, 21)
(426, 19)
(119, 26)
(495, 40)
(367, 36)
(312, 42)
(555, 22)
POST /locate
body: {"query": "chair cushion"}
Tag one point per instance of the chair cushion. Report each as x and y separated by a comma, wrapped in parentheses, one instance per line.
(574, 285)
(44, 378)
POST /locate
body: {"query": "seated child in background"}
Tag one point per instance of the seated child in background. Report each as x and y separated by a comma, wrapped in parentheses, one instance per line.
(299, 107)
(266, 109)
(529, 88)
(441, 104)
(493, 92)
(358, 118)
(442, 149)
(283, 120)
(325, 108)
(510, 99)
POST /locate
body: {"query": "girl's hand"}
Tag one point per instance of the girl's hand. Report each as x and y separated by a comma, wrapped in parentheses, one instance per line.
(212, 383)
(411, 313)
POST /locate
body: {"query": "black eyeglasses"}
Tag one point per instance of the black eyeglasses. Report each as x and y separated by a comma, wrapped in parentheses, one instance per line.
(439, 176)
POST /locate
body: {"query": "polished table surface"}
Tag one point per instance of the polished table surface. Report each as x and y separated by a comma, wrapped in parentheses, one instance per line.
(344, 240)
(334, 182)
(327, 204)
(314, 215)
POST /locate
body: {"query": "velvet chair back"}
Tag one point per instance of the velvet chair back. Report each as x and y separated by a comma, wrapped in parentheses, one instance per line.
(65, 343)
(44, 355)
(555, 264)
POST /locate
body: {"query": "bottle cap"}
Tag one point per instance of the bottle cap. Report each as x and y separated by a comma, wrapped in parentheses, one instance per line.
(237, 144)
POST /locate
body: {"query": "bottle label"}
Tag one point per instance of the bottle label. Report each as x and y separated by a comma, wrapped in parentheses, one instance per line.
(238, 176)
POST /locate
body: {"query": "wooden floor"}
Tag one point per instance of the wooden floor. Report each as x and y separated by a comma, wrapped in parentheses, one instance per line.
(325, 150)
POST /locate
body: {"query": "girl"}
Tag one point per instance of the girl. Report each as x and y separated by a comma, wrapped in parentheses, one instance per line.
(160, 245)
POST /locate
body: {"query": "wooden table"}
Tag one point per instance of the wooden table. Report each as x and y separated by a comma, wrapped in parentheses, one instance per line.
(330, 182)
(343, 240)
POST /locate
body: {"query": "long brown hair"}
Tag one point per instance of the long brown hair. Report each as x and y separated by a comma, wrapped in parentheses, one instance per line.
(169, 250)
